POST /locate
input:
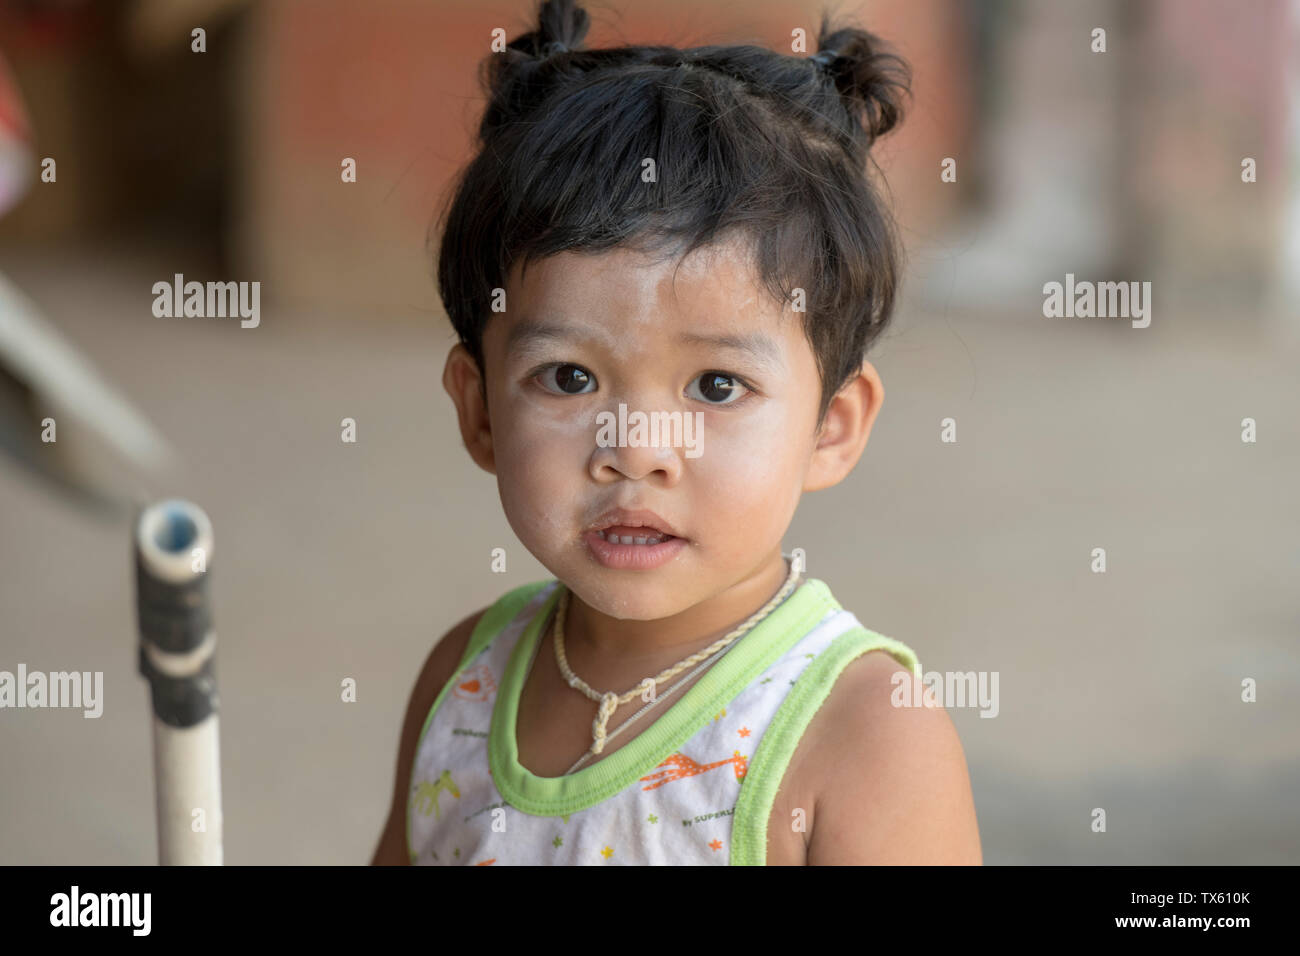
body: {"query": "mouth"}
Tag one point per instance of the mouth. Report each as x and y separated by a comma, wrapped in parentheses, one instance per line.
(633, 540)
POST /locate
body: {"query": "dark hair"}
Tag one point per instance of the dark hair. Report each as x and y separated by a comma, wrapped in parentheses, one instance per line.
(744, 139)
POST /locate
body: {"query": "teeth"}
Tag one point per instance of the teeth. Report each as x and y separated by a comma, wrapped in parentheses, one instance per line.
(629, 539)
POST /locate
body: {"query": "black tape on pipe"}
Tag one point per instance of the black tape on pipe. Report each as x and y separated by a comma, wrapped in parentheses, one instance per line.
(174, 617)
(172, 608)
(181, 701)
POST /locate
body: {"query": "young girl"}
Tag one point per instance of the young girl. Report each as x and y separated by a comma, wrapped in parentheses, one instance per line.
(689, 238)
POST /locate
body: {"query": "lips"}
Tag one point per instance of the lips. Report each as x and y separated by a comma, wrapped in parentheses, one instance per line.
(636, 541)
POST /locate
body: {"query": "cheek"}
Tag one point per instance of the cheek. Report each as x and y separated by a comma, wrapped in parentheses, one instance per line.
(540, 473)
(752, 470)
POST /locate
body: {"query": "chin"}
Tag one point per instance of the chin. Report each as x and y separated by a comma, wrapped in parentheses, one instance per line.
(628, 602)
(626, 595)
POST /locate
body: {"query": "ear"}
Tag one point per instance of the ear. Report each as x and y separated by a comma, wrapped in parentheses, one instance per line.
(844, 432)
(464, 383)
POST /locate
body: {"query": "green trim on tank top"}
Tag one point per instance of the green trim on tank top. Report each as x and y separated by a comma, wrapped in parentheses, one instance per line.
(769, 764)
(734, 671)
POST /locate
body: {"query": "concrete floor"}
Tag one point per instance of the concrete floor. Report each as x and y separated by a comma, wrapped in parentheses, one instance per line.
(1119, 691)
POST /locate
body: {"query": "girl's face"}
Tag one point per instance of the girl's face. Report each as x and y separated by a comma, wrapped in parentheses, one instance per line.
(583, 334)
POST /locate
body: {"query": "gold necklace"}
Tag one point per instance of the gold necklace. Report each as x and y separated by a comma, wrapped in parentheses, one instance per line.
(609, 701)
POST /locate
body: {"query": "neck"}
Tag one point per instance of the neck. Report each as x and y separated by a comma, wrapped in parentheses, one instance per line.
(601, 649)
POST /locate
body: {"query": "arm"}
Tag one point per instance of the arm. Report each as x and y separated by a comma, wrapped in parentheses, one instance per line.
(896, 789)
(439, 667)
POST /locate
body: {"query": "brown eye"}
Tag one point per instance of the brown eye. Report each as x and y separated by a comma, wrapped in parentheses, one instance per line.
(569, 379)
(718, 388)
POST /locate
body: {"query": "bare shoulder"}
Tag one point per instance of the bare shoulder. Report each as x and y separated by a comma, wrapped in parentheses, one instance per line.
(438, 668)
(892, 782)
(440, 665)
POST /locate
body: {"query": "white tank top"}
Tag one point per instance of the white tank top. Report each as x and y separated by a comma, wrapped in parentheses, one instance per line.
(695, 786)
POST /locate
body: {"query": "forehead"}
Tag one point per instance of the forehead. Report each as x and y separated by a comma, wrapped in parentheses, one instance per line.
(625, 291)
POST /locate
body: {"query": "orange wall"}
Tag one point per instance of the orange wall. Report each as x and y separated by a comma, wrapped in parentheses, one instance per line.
(393, 85)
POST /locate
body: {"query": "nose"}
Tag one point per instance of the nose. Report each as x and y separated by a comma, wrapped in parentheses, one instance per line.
(625, 452)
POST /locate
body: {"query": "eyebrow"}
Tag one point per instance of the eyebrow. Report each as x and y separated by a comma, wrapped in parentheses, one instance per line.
(756, 345)
(525, 333)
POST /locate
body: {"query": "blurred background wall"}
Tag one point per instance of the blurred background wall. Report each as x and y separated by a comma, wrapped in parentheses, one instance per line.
(336, 560)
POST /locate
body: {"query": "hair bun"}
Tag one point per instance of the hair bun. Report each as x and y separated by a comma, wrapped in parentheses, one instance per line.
(515, 80)
(866, 74)
(561, 26)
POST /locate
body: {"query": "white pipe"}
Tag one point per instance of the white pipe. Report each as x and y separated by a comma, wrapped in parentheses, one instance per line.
(173, 546)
